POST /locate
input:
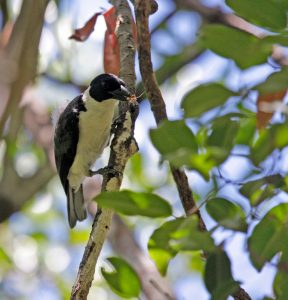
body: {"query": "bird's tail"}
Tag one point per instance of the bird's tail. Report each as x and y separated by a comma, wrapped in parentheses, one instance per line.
(76, 208)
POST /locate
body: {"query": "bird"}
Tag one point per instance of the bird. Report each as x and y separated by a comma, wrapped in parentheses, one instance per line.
(81, 134)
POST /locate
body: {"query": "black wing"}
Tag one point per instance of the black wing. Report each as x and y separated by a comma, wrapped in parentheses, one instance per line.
(65, 147)
(66, 138)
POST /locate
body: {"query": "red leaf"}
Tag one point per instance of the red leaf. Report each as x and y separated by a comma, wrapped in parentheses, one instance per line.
(82, 34)
(110, 19)
(111, 45)
(111, 54)
(263, 116)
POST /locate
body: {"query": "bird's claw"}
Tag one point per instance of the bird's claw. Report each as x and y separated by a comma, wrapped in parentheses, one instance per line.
(105, 171)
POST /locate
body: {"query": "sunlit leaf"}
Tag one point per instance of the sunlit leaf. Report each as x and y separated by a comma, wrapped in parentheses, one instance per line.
(227, 214)
(78, 236)
(246, 131)
(182, 234)
(205, 97)
(223, 134)
(245, 49)
(204, 162)
(270, 236)
(124, 281)
(271, 14)
(259, 190)
(133, 203)
(218, 277)
(5, 259)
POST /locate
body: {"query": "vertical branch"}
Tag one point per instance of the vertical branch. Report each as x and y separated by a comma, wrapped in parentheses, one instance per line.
(142, 11)
(123, 146)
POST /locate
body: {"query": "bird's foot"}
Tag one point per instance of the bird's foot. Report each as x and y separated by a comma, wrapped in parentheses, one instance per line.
(110, 171)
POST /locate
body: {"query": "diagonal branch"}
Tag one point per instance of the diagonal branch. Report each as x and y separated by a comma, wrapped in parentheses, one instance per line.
(123, 146)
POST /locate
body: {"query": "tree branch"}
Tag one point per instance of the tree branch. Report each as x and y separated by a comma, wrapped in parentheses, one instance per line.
(142, 12)
(122, 147)
(21, 53)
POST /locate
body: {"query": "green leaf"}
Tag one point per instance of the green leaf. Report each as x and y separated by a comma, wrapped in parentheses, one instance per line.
(271, 14)
(262, 147)
(280, 39)
(205, 97)
(182, 234)
(218, 277)
(246, 131)
(133, 203)
(123, 281)
(245, 49)
(276, 82)
(259, 190)
(227, 214)
(188, 237)
(158, 245)
(204, 162)
(280, 282)
(274, 137)
(270, 236)
(175, 141)
(78, 236)
(223, 135)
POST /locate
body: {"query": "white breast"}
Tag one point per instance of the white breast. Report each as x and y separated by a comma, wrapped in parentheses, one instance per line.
(94, 131)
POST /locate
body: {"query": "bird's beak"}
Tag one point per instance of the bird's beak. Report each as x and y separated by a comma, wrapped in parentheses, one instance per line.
(121, 94)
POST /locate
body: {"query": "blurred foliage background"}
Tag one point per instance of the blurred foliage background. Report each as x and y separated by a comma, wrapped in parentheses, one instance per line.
(222, 70)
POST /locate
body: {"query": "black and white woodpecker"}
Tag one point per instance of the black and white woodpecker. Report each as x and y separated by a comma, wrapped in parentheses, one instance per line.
(82, 132)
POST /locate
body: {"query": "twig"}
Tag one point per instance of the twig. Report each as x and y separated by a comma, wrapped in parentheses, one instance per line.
(123, 146)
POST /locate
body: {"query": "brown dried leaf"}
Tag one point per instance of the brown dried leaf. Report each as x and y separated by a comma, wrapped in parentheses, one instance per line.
(111, 46)
(110, 19)
(82, 34)
(111, 54)
(263, 117)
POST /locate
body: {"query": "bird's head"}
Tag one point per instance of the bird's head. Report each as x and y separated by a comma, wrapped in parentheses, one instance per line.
(108, 86)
